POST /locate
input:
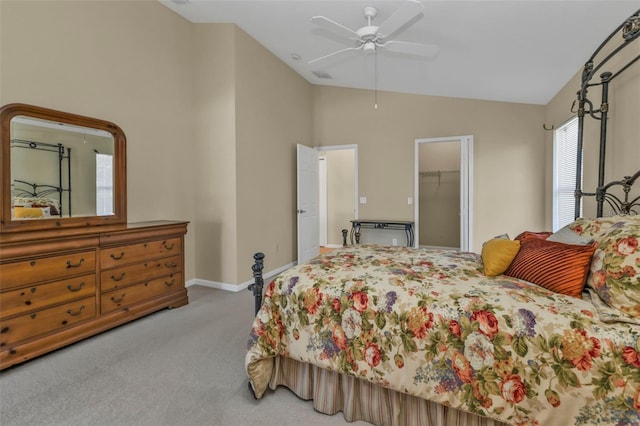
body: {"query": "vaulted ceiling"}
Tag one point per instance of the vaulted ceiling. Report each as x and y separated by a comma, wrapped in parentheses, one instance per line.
(508, 50)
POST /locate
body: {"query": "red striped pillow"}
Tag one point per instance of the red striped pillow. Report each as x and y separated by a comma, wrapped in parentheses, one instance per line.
(559, 267)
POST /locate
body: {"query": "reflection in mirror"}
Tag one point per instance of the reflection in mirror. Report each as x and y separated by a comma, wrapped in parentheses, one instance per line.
(60, 170)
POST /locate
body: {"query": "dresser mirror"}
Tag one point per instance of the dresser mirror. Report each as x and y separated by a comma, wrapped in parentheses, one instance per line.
(60, 170)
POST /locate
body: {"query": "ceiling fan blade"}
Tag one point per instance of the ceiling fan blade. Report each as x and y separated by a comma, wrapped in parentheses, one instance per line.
(410, 48)
(335, 27)
(409, 11)
(337, 52)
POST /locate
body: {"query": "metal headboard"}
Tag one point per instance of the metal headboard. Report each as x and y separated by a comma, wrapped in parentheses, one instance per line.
(624, 204)
(21, 188)
(621, 38)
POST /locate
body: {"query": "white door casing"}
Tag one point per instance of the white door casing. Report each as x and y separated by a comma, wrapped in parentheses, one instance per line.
(466, 188)
(322, 201)
(307, 204)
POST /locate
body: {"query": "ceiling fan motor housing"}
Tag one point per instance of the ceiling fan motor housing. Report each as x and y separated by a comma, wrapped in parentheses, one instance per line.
(369, 38)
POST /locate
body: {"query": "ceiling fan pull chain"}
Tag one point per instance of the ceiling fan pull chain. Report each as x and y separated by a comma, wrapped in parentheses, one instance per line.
(375, 79)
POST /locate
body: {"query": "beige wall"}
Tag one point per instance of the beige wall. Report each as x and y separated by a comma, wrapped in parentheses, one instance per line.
(126, 62)
(215, 152)
(212, 120)
(623, 149)
(508, 160)
(273, 114)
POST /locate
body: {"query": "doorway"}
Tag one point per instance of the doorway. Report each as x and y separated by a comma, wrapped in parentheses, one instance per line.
(443, 192)
(338, 192)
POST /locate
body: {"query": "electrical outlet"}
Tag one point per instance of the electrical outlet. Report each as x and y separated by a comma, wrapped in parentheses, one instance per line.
(394, 242)
(410, 200)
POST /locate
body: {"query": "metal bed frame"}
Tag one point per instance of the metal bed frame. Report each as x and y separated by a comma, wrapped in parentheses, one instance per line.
(21, 188)
(621, 38)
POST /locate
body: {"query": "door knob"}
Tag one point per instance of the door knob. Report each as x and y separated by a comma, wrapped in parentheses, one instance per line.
(301, 211)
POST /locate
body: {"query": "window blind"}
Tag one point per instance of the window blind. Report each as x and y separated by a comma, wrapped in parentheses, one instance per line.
(104, 184)
(565, 150)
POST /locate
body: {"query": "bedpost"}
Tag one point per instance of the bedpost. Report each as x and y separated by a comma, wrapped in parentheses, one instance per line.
(344, 237)
(258, 283)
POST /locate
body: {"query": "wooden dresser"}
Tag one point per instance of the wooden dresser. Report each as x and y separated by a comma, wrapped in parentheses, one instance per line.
(61, 286)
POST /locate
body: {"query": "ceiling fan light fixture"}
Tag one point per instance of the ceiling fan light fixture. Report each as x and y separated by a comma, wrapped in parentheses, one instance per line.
(369, 47)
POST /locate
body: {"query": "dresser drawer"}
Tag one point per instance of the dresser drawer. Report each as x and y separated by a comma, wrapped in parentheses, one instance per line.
(47, 320)
(36, 270)
(39, 296)
(120, 277)
(138, 292)
(124, 255)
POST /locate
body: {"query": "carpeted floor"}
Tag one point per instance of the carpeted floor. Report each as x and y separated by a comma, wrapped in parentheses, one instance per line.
(175, 367)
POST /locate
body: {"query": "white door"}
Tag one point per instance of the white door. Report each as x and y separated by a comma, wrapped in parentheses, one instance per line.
(308, 195)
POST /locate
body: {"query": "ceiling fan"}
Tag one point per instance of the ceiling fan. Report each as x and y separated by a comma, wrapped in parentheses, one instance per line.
(372, 38)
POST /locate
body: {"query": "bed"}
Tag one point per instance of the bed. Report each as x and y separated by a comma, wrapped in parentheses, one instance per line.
(430, 325)
(541, 329)
(34, 201)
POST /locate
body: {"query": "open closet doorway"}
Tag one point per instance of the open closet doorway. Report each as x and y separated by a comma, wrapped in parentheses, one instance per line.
(443, 192)
(338, 181)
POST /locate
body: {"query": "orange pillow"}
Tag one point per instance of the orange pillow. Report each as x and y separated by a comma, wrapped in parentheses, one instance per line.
(559, 267)
(528, 234)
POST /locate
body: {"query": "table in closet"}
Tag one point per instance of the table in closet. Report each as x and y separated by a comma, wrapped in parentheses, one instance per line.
(61, 286)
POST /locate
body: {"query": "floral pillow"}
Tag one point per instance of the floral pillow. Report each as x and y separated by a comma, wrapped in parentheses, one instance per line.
(595, 228)
(615, 268)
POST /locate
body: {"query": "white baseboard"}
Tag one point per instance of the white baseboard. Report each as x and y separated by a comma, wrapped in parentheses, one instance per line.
(333, 245)
(237, 287)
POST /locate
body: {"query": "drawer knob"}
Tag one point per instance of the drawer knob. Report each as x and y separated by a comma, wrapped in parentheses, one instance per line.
(164, 243)
(32, 263)
(4, 330)
(170, 283)
(115, 299)
(116, 256)
(120, 278)
(170, 265)
(76, 265)
(75, 314)
(71, 288)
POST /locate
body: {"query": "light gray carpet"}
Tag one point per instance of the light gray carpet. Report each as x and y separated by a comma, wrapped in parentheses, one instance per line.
(182, 366)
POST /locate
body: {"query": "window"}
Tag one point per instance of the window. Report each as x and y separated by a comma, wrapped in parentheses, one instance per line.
(565, 150)
(104, 184)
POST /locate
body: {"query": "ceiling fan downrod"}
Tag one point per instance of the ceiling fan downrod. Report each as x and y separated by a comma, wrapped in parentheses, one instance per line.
(369, 34)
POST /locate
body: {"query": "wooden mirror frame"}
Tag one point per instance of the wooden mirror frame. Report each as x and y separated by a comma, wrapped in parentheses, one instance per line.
(7, 224)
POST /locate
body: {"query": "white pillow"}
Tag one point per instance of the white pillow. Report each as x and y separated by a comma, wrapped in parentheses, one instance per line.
(568, 236)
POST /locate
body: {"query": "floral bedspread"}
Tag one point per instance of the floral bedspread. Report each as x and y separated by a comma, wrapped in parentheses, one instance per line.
(430, 324)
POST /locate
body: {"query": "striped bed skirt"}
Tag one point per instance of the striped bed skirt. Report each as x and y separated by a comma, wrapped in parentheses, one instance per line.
(333, 392)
